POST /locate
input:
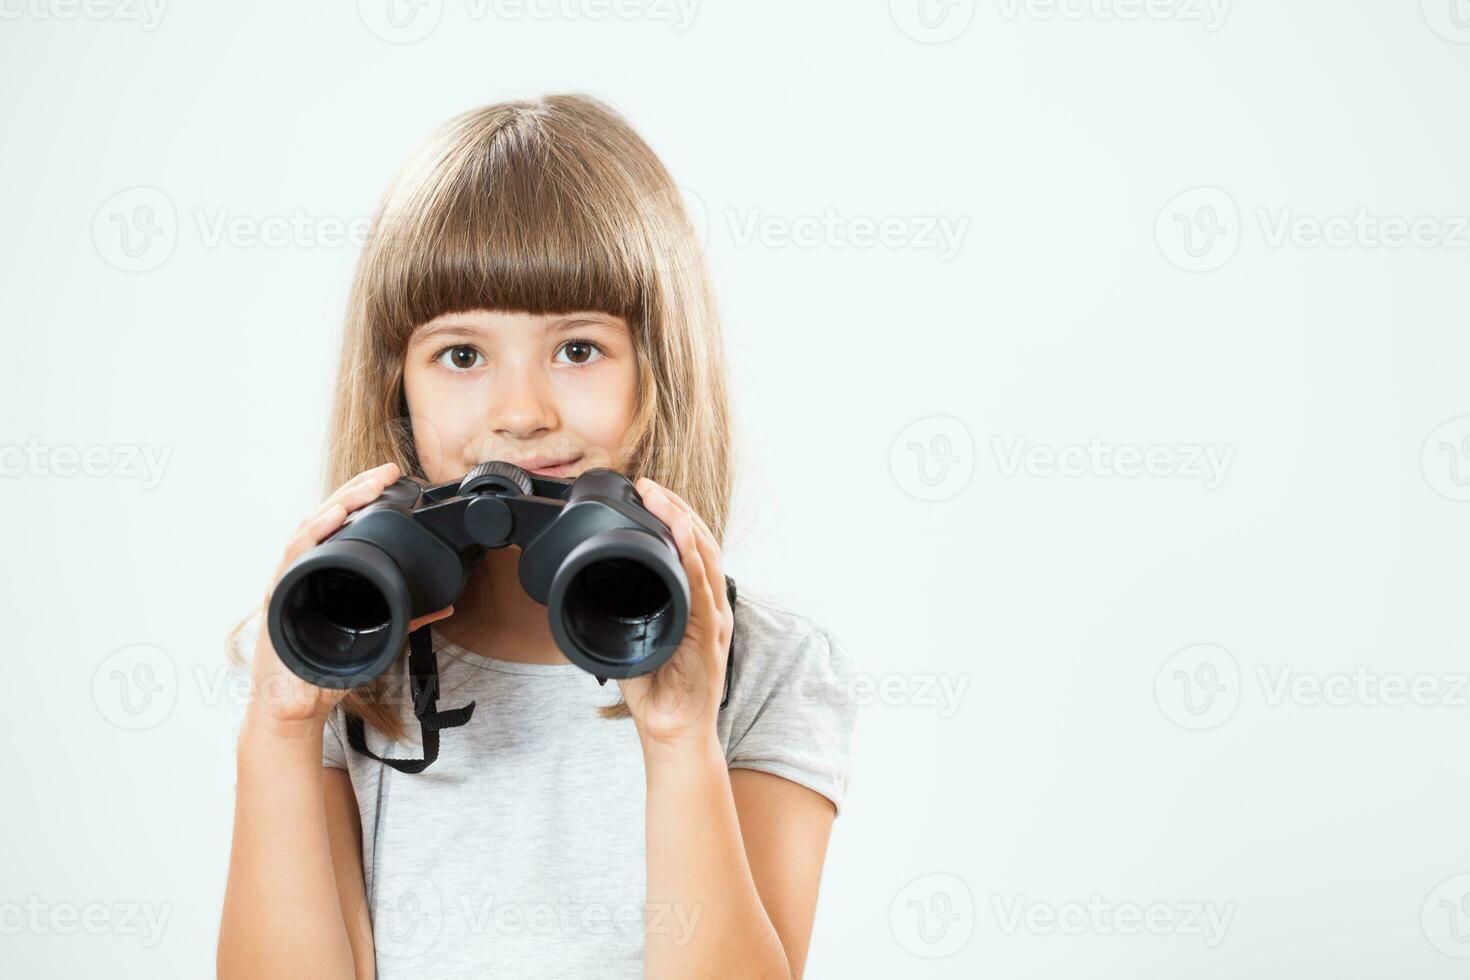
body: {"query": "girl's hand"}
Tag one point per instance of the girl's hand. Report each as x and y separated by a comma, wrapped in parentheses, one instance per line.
(680, 701)
(276, 694)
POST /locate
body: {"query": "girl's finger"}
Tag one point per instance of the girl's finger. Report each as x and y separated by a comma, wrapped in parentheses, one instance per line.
(709, 548)
(683, 505)
(312, 533)
(357, 493)
(714, 573)
(377, 476)
(694, 570)
(678, 503)
(336, 497)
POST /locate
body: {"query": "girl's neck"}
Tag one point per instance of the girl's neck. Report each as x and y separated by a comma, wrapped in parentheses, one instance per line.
(495, 618)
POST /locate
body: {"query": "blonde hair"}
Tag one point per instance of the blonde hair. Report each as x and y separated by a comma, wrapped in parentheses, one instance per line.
(543, 205)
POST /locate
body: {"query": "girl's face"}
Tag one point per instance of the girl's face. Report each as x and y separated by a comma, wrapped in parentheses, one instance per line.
(552, 393)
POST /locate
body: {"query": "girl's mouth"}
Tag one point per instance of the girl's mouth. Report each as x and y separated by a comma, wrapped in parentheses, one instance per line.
(550, 467)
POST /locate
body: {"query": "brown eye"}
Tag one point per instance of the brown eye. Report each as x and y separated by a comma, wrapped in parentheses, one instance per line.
(461, 358)
(581, 352)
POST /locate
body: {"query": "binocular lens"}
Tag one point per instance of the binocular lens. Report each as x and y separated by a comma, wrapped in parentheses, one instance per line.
(338, 612)
(616, 603)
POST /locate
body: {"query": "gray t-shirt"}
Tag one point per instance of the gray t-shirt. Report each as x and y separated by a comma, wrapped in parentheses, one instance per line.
(520, 851)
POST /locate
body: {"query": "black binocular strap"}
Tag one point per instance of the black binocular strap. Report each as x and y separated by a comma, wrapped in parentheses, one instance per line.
(423, 678)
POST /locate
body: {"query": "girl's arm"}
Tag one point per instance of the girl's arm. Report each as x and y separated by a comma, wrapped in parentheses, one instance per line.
(734, 861)
(283, 915)
(732, 891)
(294, 900)
(785, 828)
(345, 829)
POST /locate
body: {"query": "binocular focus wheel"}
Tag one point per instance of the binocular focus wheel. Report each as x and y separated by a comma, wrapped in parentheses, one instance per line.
(496, 475)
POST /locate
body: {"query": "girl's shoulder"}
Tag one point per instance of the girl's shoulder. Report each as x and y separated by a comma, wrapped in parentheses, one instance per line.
(792, 710)
(775, 638)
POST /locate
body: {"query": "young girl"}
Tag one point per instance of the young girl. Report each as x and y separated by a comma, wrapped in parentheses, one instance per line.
(533, 291)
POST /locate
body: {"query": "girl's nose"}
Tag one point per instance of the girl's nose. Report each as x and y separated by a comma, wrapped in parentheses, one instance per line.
(521, 408)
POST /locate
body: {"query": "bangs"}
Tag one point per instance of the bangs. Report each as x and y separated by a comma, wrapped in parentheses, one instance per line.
(511, 226)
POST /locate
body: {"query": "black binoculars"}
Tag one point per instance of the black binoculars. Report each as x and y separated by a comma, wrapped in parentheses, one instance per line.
(607, 570)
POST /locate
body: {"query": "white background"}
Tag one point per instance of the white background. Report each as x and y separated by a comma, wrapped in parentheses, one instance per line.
(1121, 738)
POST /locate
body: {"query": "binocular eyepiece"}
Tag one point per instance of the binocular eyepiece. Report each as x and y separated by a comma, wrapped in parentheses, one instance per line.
(607, 570)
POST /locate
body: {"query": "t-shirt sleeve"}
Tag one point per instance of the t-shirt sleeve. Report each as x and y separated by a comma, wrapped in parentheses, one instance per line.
(334, 745)
(805, 728)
